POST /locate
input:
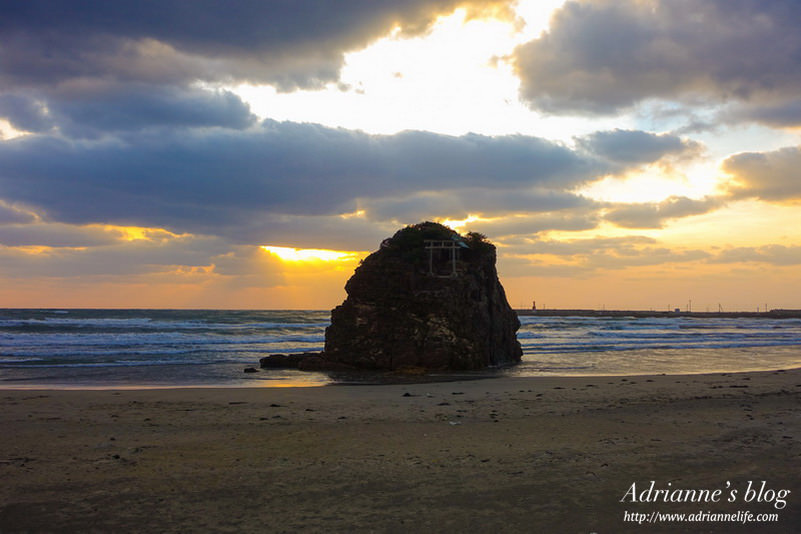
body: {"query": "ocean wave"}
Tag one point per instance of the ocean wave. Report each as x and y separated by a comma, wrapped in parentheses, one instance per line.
(32, 341)
(692, 335)
(16, 359)
(154, 339)
(109, 325)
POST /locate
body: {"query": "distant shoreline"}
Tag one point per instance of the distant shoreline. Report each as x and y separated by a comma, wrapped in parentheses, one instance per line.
(545, 312)
(772, 314)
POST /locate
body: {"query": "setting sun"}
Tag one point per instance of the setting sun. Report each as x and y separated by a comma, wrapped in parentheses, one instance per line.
(309, 254)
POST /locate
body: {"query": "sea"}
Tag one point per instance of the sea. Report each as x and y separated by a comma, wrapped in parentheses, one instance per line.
(111, 349)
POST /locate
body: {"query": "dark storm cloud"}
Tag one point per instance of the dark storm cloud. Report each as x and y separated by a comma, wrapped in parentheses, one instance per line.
(601, 56)
(201, 181)
(632, 147)
(108, 110)
(772, 176)
(141, 106)
(290, 43)
(656, 214)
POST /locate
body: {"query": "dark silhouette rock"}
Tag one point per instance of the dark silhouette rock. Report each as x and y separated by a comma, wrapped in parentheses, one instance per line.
(428, 298)
(286, 361)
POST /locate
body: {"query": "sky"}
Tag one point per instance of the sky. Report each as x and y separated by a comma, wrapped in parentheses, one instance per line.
(621, 154)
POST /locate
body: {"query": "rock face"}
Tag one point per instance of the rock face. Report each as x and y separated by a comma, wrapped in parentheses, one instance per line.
(427, 298)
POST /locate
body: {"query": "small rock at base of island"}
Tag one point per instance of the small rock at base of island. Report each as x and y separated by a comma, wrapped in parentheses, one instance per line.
(286, 361)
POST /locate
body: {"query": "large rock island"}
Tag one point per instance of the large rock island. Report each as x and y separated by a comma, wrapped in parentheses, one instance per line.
(428, 298)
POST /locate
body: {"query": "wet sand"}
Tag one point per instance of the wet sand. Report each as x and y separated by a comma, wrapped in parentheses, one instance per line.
(493, 455)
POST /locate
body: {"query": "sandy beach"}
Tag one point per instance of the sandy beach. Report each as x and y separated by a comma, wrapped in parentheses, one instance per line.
(491, 455)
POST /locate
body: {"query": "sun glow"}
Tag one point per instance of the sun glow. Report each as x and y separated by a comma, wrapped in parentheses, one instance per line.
(8, 132)
(655, 183)
(454, 79)
(290, 254)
